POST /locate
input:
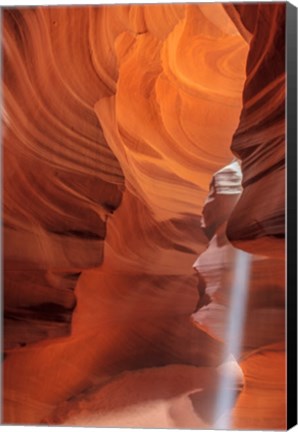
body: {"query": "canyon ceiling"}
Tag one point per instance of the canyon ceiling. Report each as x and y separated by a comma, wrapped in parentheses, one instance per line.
(143, 156)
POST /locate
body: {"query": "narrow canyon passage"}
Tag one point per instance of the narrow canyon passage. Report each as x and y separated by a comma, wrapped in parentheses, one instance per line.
(120, 126)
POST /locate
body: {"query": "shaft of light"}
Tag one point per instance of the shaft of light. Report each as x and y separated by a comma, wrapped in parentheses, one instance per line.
(227, 386)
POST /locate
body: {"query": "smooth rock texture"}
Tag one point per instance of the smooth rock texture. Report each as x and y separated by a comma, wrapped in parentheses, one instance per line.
(115, 120)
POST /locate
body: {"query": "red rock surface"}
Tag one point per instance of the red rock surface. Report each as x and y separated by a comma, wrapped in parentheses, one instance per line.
(115, 120)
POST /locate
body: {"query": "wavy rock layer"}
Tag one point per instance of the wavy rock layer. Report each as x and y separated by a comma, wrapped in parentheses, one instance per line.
(61, 179)
(126, 110)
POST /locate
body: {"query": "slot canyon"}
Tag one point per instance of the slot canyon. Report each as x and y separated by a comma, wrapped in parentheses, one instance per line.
(143, 215)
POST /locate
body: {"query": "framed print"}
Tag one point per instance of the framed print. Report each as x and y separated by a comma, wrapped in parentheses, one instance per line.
(149, 172)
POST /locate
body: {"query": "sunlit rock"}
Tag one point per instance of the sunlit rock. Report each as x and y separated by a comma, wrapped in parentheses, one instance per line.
(264, 297)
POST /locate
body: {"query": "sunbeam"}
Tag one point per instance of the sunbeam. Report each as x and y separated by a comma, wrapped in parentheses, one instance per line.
(228, 385)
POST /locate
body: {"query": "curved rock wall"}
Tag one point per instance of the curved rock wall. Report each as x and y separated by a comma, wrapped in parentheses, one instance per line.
(257, 223)
(72, 103)
(259, 140)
